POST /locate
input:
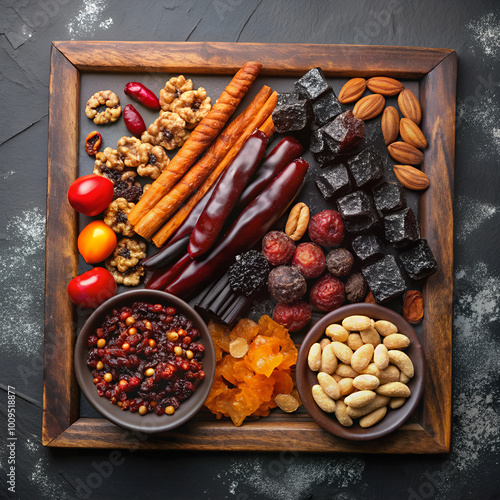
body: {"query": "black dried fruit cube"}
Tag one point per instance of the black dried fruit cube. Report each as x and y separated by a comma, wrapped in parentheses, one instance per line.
(389, 197)
(367, 248)
(343, 133)
(419, 261)
(312, 84)
(291, 113)
(317, 143)
(333, 182)
(358, 212)
(401, 228)
(326, 108)
(366, 168)
(385, 279)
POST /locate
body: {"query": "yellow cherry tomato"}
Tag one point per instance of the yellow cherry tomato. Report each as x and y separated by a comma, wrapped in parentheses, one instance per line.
(96, 242)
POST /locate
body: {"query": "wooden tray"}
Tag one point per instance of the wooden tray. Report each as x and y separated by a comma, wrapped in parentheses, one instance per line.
(435, 71)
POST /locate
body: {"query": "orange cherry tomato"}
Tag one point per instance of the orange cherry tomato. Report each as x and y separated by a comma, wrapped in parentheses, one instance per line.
(96, 242)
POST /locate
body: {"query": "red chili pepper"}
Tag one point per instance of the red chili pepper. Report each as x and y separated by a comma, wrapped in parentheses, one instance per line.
(133, 120)
(283, 153)
(245, 232)
(142, 94)
(229, 187)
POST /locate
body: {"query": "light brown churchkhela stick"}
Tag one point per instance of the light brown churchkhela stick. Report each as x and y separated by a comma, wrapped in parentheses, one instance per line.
(199, 140)
(195, 177)
(171, 226)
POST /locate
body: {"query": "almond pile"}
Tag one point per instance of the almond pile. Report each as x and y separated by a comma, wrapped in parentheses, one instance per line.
(407, 152)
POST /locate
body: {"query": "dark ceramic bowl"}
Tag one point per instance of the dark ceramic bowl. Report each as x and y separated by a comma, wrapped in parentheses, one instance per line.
(149, 423)
(306, 378)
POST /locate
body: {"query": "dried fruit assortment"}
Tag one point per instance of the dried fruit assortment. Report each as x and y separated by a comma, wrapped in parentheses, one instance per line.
(250, 384)
(362, 370)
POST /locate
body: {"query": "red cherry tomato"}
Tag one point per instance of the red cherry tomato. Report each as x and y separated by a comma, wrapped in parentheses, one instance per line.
(96, 242)
(90, 194)
(92, 288)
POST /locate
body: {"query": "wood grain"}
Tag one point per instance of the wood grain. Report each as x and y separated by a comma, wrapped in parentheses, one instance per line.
(60, 391)
(277, 58)
(430, 431)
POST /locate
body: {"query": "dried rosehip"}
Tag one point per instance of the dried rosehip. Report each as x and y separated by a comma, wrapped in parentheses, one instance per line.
(93, 142)
(286, 284)
(133, 120)
(327, 293)
(309, 259)
(326, 228)
(339, 262)
(293, 316)
(278, 248)
(142, 94)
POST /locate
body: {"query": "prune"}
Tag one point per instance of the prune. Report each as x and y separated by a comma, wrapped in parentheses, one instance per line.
(286, 284)
(367, 248)
(249, 272)
(389, 197)
(277, 248)
(327, 293)
(312, 84)
(355, 288)
(366, 168)
(309, 259)
(339, 262)
(326, 108)
(333, 182)
(293, 316)
(326, 228)
(401, 228)
(419, 261)
(291, 113)
(384, 278)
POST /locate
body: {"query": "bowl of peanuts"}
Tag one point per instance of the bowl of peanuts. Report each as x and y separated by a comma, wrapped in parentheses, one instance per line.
(360, 371)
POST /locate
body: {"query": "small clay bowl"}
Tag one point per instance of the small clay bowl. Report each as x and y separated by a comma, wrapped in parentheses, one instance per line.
(151, 422)
(306, 378)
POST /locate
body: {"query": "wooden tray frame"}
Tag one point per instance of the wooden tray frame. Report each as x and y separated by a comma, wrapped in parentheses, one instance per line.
(436, 71)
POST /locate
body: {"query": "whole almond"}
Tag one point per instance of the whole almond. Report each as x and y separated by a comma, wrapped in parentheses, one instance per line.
(409, 106)
(411, 177)
(411, 133)
(352, 90)
(384, 85)
(390, 124)
(369, 106)
(405, 153)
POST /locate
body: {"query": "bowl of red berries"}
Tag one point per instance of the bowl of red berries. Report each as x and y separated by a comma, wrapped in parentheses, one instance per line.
(145, 360)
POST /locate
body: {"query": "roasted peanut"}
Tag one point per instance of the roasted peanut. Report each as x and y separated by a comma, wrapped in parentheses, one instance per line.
(346, 386)
(377, 402)
(366, 382)
(370, 336)
(337, 333)
(324, 342)
(396, 403)
(373, 417)
(385, 327)
(343, 352)
(354, 341)
(389, 374)
(345, 370)
(325, 402)
(329, 361)
(362, 357)
(396, 341)
(360, 399)
(402, 361)
(329, 385)
(356, 323)
(381, 357)
(314, 357)
(341, 414)
(371, 369)
(286, 402)
(394, 390)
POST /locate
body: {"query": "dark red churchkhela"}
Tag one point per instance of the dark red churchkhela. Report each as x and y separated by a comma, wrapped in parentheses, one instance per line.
(226, 193)
(246, 231)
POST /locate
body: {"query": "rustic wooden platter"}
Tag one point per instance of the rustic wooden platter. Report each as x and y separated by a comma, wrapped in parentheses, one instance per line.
(434, 72)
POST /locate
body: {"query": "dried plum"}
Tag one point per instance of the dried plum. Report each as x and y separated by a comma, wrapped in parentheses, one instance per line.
(327, 293)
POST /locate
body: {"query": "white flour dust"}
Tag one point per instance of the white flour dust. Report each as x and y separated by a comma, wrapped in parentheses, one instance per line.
(290, 476)
(43, 482)
(476, 365)
(486, 32)
(22, 278)
(6, 175)
(471, 214)
(88, 19)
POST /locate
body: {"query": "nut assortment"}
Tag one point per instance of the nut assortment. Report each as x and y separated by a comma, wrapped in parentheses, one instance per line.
(360, 380)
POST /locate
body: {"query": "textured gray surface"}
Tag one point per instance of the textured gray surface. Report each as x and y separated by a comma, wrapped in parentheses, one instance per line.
(27, 28)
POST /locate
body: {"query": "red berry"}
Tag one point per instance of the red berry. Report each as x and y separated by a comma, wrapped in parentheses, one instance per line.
(327, 293)
(277, 248)
(326, 228)
(309, 259)
(294, 316)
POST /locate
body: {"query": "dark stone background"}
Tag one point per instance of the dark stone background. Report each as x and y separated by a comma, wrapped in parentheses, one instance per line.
(27, 28)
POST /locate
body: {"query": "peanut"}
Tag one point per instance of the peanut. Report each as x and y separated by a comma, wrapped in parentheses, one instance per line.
(356, 323)
(394, 390)
(341, 414)
(328, 360)
(385, 327)
(343, 352)
(325, 402)
(389, 374)
(381, 357)
(337, 332)
(314, 357)
(329, 385)
(378, 402)
(396, 341)
(346, 386)
(402, 361)
(362, 357)
(354, 341)
(346, 371)
(396, 403)
(324, 343)
(286, 402)
(366, 382)
(371, 369)
(373, 417)
(360, 399)
(370, 336)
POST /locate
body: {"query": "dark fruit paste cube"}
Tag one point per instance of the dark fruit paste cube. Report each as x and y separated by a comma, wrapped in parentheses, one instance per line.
(317, 143)
(384, 279)
(419, 261)
(291, 113)
(401, 228)
(366, 168)
(344, 133)
(389, 197)
(326, 108)
(312, 84)
(358, 212)
(367, 248)
(333, 182)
